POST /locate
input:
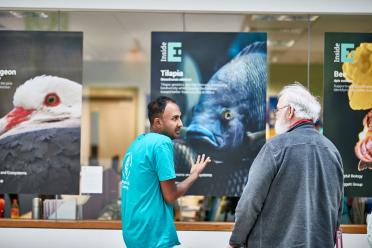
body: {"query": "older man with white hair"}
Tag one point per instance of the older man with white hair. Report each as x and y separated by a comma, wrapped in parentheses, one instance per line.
(294, 193)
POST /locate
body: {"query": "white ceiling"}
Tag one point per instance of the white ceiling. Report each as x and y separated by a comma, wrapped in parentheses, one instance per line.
(108, 36)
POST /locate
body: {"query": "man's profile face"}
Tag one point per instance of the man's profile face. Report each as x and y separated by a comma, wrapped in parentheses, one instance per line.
(171, 121)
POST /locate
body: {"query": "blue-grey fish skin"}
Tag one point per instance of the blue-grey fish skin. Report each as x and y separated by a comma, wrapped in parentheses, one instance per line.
(238, 104)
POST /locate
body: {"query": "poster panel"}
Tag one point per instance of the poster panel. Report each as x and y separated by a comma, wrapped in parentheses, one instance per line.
(219, 82)
(40, 110)
(348, 104)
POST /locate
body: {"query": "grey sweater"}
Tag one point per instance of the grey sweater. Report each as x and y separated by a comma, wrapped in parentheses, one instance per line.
(293, 197)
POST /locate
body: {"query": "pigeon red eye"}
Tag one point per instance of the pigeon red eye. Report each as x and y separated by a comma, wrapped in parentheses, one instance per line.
(51, 100)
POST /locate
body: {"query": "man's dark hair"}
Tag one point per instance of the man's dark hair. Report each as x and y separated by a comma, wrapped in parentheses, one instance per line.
(156, 107)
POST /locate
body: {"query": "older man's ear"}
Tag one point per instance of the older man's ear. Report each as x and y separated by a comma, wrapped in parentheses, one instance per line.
(291, 111)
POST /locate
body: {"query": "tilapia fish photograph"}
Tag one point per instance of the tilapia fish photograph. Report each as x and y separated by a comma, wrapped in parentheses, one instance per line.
(228, 125)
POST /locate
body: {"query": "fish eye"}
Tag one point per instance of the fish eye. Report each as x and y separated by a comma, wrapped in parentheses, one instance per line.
(227, 115)
(51, 100)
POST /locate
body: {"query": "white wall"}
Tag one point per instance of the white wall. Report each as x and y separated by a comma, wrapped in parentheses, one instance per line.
(77, 238)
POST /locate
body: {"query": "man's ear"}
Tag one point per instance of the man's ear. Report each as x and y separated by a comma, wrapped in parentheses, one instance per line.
(290, 112)
(157, 123)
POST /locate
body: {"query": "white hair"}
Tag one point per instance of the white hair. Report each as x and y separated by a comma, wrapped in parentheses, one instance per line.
(304, 103)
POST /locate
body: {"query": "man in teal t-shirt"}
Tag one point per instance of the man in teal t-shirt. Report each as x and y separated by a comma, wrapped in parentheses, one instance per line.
(148, 180)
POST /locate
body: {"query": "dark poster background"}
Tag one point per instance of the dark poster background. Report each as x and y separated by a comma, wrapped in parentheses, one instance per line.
(222, 102)
(342, 124)
(49, 162)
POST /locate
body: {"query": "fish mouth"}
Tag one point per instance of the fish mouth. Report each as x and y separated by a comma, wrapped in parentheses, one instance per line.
(198, 133)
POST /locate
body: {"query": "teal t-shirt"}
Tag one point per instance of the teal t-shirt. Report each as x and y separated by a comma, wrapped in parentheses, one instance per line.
(147, 218)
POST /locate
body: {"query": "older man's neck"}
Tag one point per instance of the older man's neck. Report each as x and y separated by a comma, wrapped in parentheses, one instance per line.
(296, 120)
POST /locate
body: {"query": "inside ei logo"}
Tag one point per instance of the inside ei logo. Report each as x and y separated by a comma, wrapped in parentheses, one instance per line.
(171, 52)
(347, 52)
(174, 51)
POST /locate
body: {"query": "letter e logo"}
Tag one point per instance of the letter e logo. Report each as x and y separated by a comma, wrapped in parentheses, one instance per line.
(345, 49)
(174, 51)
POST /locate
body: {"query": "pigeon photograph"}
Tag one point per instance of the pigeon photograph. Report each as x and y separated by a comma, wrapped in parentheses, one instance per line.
(40, 112)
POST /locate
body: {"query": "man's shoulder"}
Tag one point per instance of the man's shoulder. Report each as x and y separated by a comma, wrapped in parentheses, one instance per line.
(278, 140)
(156, 138)
(287, 139)
(329, 143)
(306, 136)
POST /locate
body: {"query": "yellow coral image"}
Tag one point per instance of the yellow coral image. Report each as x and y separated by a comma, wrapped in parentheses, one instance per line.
(359, 72)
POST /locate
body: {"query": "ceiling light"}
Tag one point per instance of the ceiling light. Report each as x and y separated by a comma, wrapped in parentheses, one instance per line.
(43, 15)
(284, 18)
(29, 14)
(16, 14)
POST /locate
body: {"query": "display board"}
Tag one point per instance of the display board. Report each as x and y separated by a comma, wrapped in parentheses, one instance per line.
(348, 104)
(219, 82)
(40, 110)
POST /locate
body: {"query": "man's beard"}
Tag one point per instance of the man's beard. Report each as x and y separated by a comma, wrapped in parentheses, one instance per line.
(281, 125)
(172, 135)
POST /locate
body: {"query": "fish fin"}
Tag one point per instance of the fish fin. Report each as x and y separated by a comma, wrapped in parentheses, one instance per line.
(257, 47)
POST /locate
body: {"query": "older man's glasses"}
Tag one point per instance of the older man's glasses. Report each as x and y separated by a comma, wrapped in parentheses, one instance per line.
(276, 110)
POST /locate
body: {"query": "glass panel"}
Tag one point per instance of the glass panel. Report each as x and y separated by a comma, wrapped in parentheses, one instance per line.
(116, 81)
(355, 208)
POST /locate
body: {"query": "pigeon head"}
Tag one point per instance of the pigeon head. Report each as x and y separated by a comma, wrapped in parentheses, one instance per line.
(43, 102)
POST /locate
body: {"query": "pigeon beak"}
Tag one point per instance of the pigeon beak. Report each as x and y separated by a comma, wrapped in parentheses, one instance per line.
(13, 118)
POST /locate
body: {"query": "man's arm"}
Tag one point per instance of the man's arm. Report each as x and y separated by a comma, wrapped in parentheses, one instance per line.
(249, 207)
(171, 191)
